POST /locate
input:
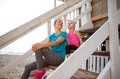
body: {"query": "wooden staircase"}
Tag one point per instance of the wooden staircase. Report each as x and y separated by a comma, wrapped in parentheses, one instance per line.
(80, 74)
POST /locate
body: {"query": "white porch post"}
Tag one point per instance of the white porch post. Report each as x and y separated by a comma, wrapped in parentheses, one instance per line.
(114, 40)
(107, 45)
(55, 4)
(64, 23)
(77, 23)
(88, 5)
(89, 15)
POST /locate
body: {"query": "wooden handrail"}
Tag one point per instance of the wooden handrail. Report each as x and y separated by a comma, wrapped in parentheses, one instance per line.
(101, 53)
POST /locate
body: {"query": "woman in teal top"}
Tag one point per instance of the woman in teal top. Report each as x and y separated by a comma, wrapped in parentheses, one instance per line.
(51, 53)
(60, 49)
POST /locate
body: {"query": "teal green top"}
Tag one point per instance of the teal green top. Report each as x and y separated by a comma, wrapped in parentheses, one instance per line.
(60, 49)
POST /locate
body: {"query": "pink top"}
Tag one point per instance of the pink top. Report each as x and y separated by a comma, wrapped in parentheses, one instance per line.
(73, 39)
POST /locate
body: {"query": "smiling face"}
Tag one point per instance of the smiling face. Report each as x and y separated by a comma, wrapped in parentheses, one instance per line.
(58, 24)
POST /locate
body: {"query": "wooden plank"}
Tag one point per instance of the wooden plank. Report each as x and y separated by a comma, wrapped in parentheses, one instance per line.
(101, 53)
(98, 17)
(83, 74)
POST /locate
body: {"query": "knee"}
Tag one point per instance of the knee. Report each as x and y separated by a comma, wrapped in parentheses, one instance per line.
(44, 49)
(41, 50)
(27, 68)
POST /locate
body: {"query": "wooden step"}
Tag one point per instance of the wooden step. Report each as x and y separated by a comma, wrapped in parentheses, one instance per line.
(83, 74)
(80, 74)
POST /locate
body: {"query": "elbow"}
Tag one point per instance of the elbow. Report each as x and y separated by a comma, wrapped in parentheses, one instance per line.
(56, 43)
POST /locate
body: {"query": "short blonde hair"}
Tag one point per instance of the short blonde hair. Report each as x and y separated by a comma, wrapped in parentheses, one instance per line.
(72, 21)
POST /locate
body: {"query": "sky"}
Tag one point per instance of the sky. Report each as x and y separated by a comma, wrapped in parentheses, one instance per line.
(14, 13)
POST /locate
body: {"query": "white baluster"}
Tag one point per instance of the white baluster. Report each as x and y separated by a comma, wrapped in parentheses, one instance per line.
(94, 63)
(91, 63)
(64, 23)
(98, 64)
(49, 27)
(68, 16)
(84, 18)
(84, 66)
(100, 48)
(106, 60)
(73, 14)
(54, 3)
(102, 62)
(88, 5)
(77, 23)
(107, 45)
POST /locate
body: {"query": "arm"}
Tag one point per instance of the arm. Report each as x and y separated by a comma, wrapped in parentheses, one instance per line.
(79, 36)
(48, 44)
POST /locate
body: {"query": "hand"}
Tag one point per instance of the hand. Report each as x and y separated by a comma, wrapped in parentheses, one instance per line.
(36, 46)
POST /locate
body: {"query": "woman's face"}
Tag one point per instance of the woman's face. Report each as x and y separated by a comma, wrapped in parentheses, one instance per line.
(71, 24)
(58, 24)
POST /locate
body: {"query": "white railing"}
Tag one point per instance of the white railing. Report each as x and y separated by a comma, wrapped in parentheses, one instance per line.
(78, 5)
(73, 63)
(105, 73)
(96, 63)
(33, 24)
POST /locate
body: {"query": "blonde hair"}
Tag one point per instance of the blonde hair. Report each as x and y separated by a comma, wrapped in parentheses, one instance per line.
(72, 21)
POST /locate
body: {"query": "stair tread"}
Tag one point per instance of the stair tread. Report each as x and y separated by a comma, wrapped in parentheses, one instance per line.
(84, 74)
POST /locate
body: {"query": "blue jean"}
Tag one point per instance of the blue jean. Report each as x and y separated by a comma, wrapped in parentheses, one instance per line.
(44, 57)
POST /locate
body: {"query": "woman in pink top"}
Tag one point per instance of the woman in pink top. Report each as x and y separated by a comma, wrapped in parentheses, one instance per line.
(74, 39)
